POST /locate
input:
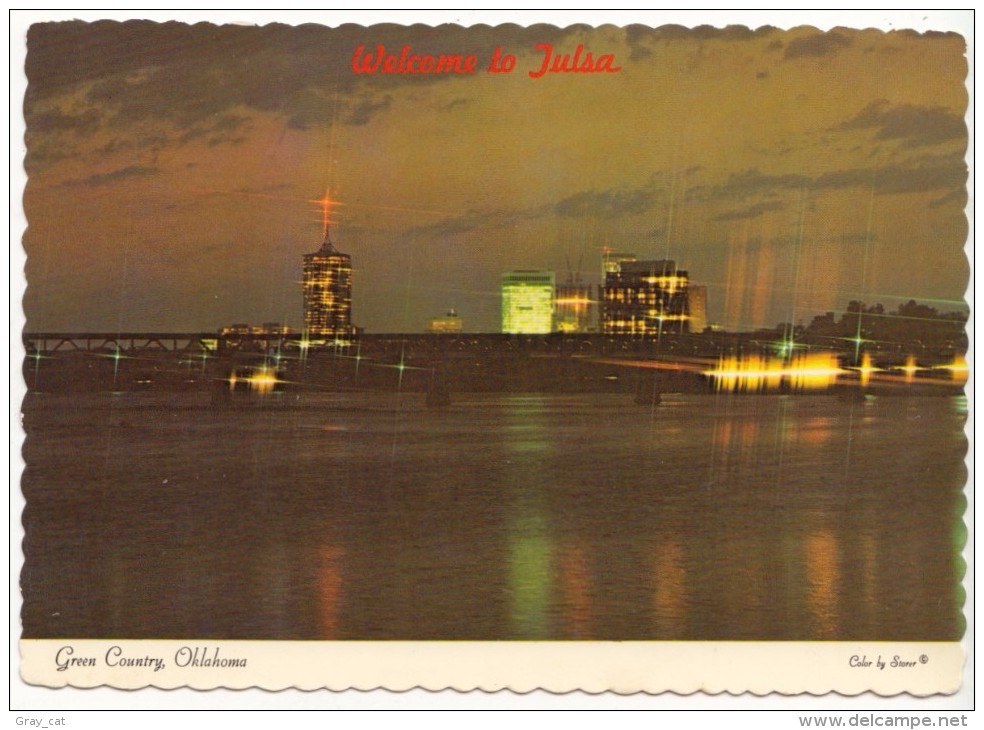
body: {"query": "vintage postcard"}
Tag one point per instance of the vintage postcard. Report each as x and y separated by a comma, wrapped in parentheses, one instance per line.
(604, 356)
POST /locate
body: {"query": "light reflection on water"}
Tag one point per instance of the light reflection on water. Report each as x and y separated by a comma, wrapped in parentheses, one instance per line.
(670, 595)
(502, 517)
(823, 579)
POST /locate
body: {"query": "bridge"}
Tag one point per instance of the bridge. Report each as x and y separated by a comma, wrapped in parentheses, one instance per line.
(47, 343)
(475, 362)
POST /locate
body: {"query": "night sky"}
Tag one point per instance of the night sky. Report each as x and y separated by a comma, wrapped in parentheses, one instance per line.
(174, 169)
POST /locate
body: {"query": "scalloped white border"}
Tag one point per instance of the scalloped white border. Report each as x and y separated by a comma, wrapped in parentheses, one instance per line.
(454, 664)
(622, 667)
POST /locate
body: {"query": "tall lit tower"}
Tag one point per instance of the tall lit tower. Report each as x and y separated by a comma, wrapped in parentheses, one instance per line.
(328, 289)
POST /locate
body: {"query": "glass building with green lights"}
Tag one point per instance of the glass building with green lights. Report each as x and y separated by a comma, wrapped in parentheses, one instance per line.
(528, 302)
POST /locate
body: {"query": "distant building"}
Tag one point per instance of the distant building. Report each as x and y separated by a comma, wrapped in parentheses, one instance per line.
(236, 329)
(611, 262)
(328, 294)
(644, 299)
(267, 329)
(697, 308)
(527, 302)
(268, 336)
(449, 323)
(572, 307)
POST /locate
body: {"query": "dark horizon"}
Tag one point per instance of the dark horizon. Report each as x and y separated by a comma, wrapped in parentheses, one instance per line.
(950, 315)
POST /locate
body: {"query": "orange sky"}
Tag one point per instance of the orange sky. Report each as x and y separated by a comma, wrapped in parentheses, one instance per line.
(172, 168)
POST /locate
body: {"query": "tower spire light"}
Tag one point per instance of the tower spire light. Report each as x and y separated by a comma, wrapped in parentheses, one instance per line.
(325, 203)
(328, 287)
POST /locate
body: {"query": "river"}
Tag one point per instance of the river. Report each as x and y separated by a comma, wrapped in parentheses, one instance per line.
(371, 516)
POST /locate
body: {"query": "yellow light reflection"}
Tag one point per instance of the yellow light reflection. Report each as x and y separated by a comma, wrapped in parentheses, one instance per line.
(822, 575)
(330, 588)
(670, 599)
(755, 373)
(869, 565)
(910, 369)
(576, 582)
(262, 380)
(866, 369)
(814, 371)
(958, 369)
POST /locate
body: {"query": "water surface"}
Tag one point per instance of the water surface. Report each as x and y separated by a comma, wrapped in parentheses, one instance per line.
(370, 516)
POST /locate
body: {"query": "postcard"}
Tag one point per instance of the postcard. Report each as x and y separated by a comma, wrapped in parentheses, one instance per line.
(610, 356)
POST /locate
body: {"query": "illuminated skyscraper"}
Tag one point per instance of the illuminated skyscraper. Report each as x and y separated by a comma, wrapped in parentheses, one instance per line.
(328, 294)
(611, 263)
(527, 302)
(645, 298)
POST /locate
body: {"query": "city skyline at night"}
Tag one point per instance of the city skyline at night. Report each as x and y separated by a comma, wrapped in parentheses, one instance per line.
(344, 340)
(793, 171)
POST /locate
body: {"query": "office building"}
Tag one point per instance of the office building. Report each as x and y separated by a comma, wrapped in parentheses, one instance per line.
(448, 324)
(645, 299)
(267, 329)
(611, 263)
(527, 302)
(328, 295)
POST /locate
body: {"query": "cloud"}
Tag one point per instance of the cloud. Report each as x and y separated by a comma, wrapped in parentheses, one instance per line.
(748, 182)
(52, 135)
(265, 189)
(109, 91)
(220, 130)
(958, 196)
(929, 35)
(137, 71)
(753, 211)
(943, 172)
(475, 220)
(39, 156)
(363, 112)
(141, 71)
(927, 174)
(586, 204)
(916, 126)
(593, 204)
(672, 32)
(57, 121)
(642, 39)
(637, 37)
(817, 44)
(115, 176)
